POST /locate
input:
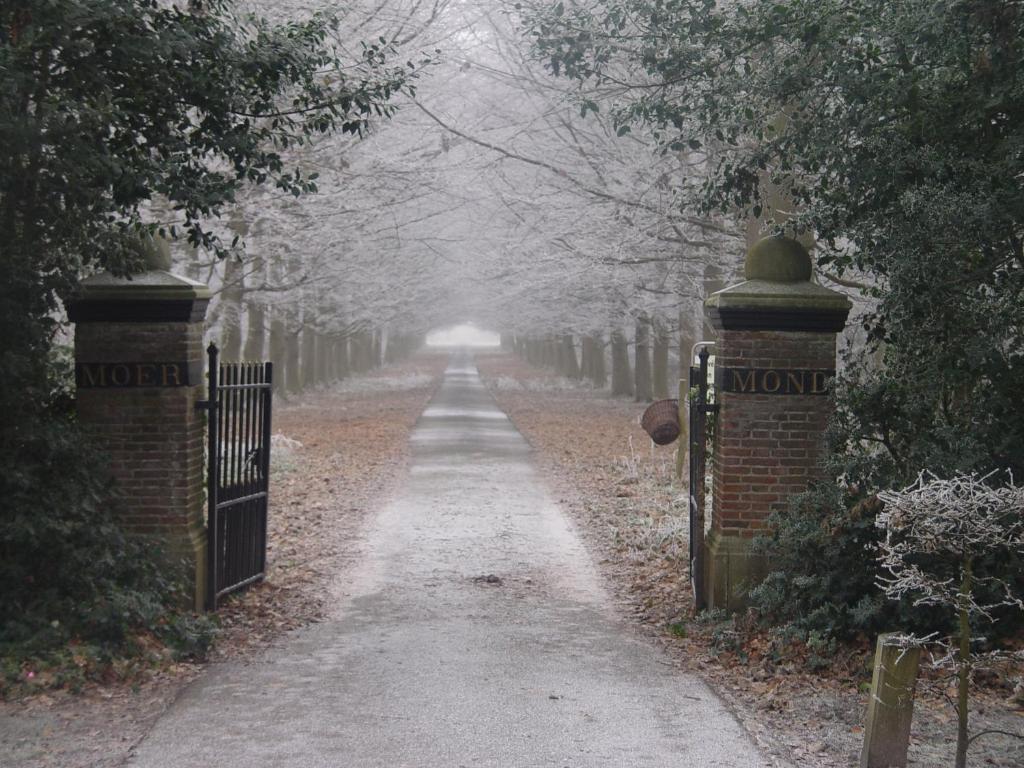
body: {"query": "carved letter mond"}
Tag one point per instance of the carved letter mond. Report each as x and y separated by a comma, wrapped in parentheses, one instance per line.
(740, 384)
(773, 381)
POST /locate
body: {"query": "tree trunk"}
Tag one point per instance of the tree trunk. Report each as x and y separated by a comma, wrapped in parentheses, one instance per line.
(570, 368)
(293, 372)
(231, 311)
(395, 350)
(344, 366)
(363, 351)
(598, 370)
(409, 346)
(293, 325)
(330, 359)
(643, 392)
(374, 361)
(192, 269)
(659, 370)
(550, 353)
(256, 313)
(532, 351)
(687, 338)
(256, 331)
(278, 349)
(323, 359)
(308, 358)
(231, 296)
(355, 352)
(622, 375)
(559, 355)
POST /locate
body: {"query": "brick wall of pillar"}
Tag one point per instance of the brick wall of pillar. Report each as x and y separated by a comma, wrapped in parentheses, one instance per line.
(767, 446)
(139, 366)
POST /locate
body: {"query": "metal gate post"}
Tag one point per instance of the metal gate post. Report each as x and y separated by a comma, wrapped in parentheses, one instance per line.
(699, 410)
(212, 475)
(237, 475)
(268, 398)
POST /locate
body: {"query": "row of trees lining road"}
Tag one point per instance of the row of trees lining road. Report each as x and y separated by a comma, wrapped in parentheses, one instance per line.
(891, 135)
(507, 208)
(607, 361)
(122, 121)
(111, 112)
(586, 216)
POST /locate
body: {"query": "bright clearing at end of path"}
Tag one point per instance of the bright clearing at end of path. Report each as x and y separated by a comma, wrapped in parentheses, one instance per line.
(465, 335)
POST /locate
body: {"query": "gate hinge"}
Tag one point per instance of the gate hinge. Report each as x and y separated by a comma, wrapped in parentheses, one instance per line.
(206, 405)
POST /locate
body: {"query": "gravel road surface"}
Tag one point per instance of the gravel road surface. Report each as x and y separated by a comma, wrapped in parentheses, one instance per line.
(474, 632)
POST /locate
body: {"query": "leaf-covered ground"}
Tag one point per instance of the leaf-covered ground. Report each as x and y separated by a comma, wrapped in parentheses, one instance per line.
(335, 455)
(335, 452)
(806, 706)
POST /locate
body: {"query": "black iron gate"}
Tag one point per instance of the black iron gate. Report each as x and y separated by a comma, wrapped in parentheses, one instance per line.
(238, 472)
(699, 410)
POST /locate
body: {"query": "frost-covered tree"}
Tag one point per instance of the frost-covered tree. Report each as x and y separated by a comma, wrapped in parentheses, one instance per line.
(486, 198)
(889, 132)
(113, 114)
(949, 544)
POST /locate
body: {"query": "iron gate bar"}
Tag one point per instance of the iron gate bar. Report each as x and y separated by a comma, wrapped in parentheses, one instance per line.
(698, 470)
(212, 406)
(238, 473)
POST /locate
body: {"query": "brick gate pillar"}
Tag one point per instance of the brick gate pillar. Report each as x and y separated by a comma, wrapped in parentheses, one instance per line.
(139, 372)
(775, 355)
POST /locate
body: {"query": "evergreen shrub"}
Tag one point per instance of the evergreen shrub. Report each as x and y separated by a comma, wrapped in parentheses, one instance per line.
(79, 594)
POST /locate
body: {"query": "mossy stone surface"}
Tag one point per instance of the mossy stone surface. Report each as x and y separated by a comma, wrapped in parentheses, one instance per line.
(732, 569)
(778, 279)
(156, 284)
(778, 260)
(762, 294)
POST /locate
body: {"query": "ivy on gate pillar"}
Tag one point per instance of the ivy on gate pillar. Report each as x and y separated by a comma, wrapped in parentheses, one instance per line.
(139, 373)
(775, 356)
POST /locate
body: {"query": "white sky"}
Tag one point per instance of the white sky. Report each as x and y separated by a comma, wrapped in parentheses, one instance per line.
(465, 335)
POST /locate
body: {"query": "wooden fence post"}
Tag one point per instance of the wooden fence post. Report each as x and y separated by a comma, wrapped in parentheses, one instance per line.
(891, 706)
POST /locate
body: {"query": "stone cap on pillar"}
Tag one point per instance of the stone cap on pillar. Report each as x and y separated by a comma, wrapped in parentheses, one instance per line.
(156, 296)
(778, 294)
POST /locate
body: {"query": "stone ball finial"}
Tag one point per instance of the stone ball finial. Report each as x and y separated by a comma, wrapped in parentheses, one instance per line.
(778, 260)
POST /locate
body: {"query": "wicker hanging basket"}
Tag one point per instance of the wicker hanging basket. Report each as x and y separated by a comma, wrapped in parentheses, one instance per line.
(661, 421)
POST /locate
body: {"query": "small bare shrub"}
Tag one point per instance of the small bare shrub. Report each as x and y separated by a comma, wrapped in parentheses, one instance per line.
(937, 534)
